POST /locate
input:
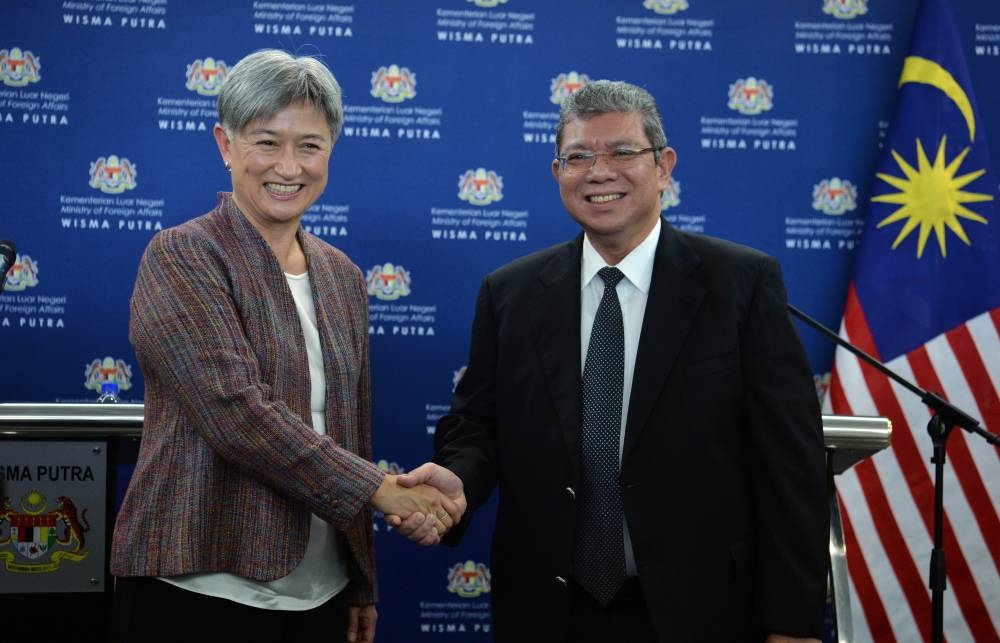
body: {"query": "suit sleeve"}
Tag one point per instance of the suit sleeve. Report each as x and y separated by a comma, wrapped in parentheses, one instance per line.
(465, 439)
(788, 466)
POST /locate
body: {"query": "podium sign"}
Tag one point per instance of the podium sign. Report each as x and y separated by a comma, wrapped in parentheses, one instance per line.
(53, 512)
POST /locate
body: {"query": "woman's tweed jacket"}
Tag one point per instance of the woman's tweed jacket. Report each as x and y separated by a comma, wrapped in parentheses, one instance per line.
(229, 466)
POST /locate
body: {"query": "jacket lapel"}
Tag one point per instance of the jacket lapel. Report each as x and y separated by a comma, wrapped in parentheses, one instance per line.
(555, 320)
(674, 298)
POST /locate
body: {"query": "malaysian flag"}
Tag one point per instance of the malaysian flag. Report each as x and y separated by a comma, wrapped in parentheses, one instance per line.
(925, 299)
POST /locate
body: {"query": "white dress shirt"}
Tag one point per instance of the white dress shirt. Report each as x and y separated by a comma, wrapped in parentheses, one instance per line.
(633, 291)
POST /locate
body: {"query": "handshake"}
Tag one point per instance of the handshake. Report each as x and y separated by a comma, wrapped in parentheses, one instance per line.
(422, 504)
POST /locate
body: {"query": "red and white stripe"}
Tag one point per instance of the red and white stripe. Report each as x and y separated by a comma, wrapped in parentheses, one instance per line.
(887, 501)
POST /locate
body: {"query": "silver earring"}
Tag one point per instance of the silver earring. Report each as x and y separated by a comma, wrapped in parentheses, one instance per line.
(229, 168)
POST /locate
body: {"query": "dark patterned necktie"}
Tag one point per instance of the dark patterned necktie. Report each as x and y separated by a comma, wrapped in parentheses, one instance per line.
(600, 546)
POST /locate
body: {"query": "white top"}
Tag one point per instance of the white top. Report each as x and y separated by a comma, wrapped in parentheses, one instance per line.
(323, 570)
(633, 291)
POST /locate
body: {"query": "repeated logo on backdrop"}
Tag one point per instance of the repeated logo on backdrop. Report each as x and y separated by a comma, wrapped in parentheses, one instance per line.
(23, 274)
(468, 610)
(18, 68)
(834, 196)
(540, 126)
(124, 14)
(109, 369)
(671, 196)
(670, 200)
(484, 27)
(112, 208)
(394, 84)
(26, 309)
(388, 282)
(665, 7)
(845, 9)
(185, 112)
(842, 33)
(751, 96)
(206, 76)
(664, 31)
(21, 101)
(469, 579)
(316, 20)
(112, 175)
(565, 84)
(480, 186)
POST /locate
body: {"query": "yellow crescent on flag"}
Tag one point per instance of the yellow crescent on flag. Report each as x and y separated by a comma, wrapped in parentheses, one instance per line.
(921, 70)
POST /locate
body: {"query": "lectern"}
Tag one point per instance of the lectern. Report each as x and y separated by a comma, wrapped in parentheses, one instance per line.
(53, 528)
(849, 440)
(61, 466)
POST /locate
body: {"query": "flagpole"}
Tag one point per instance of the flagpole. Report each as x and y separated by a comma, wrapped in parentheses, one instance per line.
(946, 416)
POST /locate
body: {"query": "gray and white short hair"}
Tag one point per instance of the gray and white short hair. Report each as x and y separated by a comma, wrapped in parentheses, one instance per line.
(608, 96)
(267, 81)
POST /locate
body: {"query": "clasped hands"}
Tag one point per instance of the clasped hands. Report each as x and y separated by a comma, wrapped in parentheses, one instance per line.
(422, 504)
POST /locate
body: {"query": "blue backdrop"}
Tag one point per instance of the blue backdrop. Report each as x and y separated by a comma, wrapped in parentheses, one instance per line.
(442, 174)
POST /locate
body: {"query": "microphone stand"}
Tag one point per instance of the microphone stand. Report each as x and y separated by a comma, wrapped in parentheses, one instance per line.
(946, 417)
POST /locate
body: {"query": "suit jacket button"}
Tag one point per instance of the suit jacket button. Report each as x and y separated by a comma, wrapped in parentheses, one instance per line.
(571, 493)
(561, 581)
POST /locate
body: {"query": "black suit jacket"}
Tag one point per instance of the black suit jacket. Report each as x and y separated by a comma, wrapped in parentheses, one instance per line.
(723, 467)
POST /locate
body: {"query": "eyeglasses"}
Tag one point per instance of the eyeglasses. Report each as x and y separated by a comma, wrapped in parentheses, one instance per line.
(583, 160)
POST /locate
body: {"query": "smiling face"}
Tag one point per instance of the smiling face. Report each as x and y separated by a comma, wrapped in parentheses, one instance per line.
(617, 207)
(279, 166)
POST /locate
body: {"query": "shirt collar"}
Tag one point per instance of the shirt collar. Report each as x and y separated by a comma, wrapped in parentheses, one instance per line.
(637, 265)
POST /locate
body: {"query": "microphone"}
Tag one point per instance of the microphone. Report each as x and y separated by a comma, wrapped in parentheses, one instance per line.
(8, 252)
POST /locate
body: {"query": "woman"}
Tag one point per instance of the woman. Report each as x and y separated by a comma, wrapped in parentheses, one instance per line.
(249, 511)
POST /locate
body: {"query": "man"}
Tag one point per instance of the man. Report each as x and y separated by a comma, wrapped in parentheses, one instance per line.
(671, 487)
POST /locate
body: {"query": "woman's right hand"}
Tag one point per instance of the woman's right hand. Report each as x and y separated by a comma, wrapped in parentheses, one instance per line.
(424, 500)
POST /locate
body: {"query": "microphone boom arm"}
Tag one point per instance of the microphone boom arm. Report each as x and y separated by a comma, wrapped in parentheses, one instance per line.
(950, 413)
